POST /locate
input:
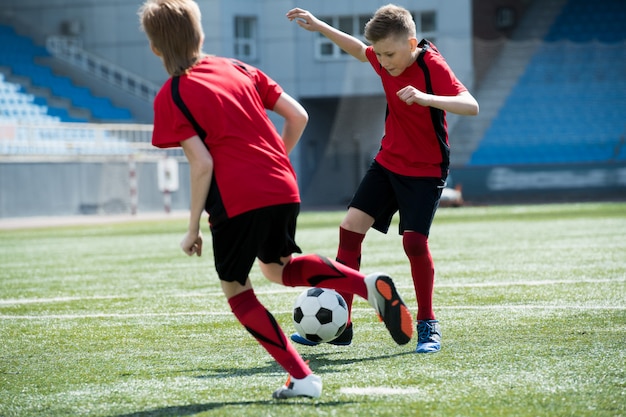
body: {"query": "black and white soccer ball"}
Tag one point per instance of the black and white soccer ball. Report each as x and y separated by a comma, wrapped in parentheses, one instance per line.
(320, 314)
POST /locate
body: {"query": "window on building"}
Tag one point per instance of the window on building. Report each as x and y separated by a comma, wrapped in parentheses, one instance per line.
(425, 22)
(353, 25)
(362, 22)
(505, 18)
(245, 45)
(426, 25)
(324, 48)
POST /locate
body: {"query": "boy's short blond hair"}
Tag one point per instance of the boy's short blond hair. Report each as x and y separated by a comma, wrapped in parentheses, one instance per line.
(174, 29)
(390, 21)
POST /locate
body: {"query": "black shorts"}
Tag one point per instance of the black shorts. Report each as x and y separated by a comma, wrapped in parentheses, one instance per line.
(267, 233)
(382, 193)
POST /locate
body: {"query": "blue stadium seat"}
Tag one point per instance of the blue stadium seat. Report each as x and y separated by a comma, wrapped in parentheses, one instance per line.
(19, 52)
(570, 103)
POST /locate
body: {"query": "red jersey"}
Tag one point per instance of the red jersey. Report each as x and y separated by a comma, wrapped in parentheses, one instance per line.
(229, 100)
(415, 142)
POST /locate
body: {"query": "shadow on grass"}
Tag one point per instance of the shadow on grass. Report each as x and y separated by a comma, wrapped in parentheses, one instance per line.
(321, 362)
(191, 409)
(321, 359)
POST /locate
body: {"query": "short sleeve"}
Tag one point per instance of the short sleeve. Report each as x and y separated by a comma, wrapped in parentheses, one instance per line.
(268, 89)
(170, 125)
(371, 57)
(445, 82)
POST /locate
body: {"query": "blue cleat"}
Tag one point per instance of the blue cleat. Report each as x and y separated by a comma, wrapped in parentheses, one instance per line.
(428, 336)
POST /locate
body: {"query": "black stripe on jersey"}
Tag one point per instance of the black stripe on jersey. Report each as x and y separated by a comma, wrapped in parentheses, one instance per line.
(214, 204)
(437, 116)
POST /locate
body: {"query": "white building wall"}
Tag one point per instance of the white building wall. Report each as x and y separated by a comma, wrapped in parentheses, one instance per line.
(313, 77)
(110, 28)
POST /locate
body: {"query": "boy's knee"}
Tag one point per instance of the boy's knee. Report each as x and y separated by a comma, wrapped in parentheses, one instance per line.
(414, 243)
(357, 221)
(272, 271)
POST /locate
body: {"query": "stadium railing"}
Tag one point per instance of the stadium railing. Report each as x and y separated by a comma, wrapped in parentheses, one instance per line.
(70, 50)
(76, 140)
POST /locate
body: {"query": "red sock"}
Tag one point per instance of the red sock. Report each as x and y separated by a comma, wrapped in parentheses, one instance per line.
(262, 325)
(423, 272)
(319, 271)
(349, 254)
(349, 251)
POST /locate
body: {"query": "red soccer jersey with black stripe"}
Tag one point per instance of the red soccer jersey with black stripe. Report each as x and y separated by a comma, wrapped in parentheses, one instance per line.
(229, 101)
(412, 144)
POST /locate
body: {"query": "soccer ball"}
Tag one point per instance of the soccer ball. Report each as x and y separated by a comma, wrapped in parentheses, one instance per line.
(320, 314)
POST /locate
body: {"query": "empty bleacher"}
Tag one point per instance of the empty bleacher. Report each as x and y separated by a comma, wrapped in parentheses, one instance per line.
(19, 55)
(28, 127)
(584, 21)
(569, 106)
(22, 107)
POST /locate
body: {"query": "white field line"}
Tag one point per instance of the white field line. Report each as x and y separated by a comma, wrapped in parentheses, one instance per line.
(283, 290)
(19, 301)
(532, 283)
(512, 307)
(114, 315)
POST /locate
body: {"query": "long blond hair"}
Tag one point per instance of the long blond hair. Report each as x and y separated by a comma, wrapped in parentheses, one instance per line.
(174, 29)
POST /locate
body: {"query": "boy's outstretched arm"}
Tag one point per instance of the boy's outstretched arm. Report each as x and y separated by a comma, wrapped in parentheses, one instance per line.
(295, 117)
(348, 43)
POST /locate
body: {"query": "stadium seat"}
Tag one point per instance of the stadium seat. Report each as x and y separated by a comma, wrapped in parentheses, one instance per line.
(19, 53)
(570, 103)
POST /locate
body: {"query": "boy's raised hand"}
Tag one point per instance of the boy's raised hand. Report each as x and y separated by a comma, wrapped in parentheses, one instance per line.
(304, 19)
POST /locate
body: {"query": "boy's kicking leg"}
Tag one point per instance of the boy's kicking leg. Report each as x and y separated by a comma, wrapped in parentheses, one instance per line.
(378, 289)
(318, 271)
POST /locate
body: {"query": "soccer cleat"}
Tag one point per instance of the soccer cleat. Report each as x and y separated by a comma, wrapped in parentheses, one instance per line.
(309, 386)
(428, 336)
(344, 339)
(382, 295)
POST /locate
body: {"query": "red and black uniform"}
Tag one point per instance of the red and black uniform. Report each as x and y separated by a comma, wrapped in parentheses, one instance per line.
(412, 164)
(416, 137)
(253, 200)
(228, 100)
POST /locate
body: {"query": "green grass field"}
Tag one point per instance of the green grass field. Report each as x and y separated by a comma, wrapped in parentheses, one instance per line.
(114, 320)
